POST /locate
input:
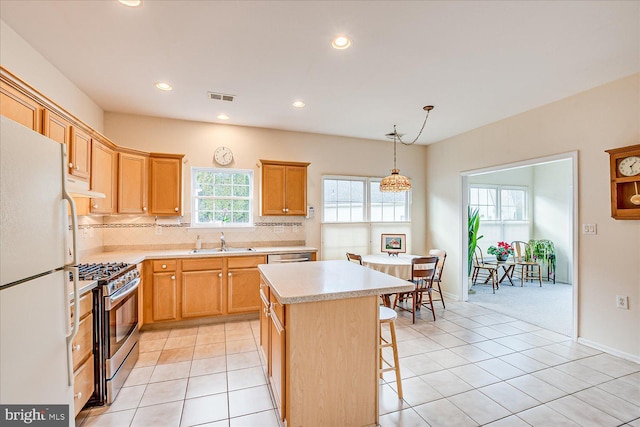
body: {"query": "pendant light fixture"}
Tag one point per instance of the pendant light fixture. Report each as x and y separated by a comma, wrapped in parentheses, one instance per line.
(396, 183)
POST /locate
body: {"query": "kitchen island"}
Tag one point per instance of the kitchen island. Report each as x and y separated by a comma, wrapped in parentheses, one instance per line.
(319, 335)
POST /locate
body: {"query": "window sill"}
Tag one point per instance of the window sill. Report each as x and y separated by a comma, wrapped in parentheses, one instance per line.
(248, 227)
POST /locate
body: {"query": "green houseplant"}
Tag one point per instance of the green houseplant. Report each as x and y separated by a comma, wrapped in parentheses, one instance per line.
(474, 225)
(543, 251)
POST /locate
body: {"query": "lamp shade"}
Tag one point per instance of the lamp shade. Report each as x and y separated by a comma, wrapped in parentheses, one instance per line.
(395, 183)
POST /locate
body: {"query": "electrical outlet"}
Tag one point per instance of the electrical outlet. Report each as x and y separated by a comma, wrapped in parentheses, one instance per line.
(158, 230)
(278, 229)
(622, 301)
(85, 233)
(589, 229)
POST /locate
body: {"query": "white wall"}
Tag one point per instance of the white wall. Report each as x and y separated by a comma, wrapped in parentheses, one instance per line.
(609, 262)
(17, 56)
(328, 155)
(552, 212)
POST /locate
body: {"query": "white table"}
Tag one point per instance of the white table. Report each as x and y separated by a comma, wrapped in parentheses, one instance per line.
(398, 266)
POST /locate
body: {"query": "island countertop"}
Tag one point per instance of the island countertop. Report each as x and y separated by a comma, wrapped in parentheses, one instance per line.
(328, 280)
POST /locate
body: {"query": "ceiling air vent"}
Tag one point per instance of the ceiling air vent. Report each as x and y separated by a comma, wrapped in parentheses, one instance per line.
(215, 96)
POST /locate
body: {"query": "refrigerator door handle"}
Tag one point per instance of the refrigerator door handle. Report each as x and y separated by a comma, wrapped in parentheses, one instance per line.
(72, 204)
(72, 267)
(74, 329)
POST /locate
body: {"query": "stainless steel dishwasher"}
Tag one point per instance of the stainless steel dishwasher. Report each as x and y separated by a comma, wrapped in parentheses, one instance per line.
(289, 258)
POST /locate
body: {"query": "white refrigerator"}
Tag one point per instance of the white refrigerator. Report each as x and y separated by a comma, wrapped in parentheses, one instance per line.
(35, 330)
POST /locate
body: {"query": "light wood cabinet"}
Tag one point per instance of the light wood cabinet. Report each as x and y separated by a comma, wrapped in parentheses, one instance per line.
(165, 296)
(132, 183)
(276, 354)
(80, 154)
(265, 324)
(104, 169)
(82, 353)
(243, 284)
(165, 184)
(284, 188)
(57, 128)
(200, 287)
(20, 108)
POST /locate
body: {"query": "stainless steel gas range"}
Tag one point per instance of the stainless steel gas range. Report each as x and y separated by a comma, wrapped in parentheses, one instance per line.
(115, 326)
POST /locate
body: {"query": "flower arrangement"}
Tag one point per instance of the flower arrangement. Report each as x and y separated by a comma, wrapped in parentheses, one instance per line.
(502, 251)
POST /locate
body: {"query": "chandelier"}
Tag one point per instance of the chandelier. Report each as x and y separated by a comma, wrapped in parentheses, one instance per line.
(396, 183)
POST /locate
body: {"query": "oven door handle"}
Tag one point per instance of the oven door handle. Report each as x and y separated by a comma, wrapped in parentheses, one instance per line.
(113, 301)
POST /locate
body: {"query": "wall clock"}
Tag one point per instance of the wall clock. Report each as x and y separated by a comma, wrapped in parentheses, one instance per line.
(223, 156)
(624, 167)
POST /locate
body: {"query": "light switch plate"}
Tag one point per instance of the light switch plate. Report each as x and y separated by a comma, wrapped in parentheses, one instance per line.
(589, 229)
(622, 301)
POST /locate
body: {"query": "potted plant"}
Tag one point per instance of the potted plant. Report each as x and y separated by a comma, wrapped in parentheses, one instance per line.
(474, 225)
(543, 251)
(502, 251)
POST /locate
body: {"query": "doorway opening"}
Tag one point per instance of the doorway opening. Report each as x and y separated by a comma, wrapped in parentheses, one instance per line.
(530, 200)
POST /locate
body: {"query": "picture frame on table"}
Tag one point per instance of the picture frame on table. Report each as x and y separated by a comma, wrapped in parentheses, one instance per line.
(393, 243)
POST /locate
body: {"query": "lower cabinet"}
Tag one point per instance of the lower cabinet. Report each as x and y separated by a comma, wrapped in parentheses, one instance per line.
(276, 355)
(82, 353)
(202, 287)
(189, 288)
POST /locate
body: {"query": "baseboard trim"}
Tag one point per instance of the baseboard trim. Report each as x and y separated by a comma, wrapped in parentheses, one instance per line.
(612, 351)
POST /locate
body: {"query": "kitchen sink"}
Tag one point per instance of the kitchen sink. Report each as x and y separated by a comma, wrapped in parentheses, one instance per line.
(218, 250)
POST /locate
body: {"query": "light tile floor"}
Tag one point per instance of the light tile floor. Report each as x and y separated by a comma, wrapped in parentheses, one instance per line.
(471, 367)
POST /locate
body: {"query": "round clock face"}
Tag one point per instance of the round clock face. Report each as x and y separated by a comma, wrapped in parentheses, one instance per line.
(223, 156)
(629, 166)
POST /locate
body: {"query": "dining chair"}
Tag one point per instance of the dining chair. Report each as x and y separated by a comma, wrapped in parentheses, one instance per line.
(354, 258)
(442, 256)
(480, 266)
(423, 270)
(529, 270)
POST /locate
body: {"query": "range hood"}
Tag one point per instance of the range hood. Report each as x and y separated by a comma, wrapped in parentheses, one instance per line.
(77, 188)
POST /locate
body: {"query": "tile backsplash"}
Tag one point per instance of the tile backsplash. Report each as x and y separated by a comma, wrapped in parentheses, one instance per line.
(115, 233)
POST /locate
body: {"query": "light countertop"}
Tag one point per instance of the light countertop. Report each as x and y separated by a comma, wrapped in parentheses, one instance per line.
(327, 280)
(137, 256)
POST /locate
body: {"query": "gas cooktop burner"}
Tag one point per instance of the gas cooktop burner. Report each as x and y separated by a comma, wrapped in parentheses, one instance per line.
(103, 271)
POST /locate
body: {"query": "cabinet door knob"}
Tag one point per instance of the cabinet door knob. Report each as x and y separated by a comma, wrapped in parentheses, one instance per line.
(164, 265)
(173, 277)
(95, 206)
(77, 167)
(76, 347)
(284, 210)
(78, 395)
(70, 165)
(229, 274)
(175, 209)
(219, 274)
(144, 208)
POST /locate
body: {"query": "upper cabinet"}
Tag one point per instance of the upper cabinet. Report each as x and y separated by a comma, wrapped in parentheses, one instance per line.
(132, 183)
(284, 188)
(104, 168)
(80, 154)
(57, 128)
(165, 184)
(20, 108)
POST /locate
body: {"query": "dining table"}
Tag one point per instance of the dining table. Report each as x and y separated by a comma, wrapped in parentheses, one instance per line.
(394, 265)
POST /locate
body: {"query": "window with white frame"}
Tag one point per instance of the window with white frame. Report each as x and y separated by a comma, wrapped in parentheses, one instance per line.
(504, 213)
(221, 196)
(359, 199)
(355, 213)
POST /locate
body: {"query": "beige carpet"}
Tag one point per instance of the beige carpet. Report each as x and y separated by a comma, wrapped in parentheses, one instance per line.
(548, 306)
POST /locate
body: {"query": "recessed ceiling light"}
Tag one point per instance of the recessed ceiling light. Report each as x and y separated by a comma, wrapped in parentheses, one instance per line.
(223, 117)
(163, 86)
(341, 42)
(131, 3)
(298, 104)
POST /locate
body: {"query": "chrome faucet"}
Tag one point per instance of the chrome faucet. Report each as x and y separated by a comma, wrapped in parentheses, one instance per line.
(223, 242)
